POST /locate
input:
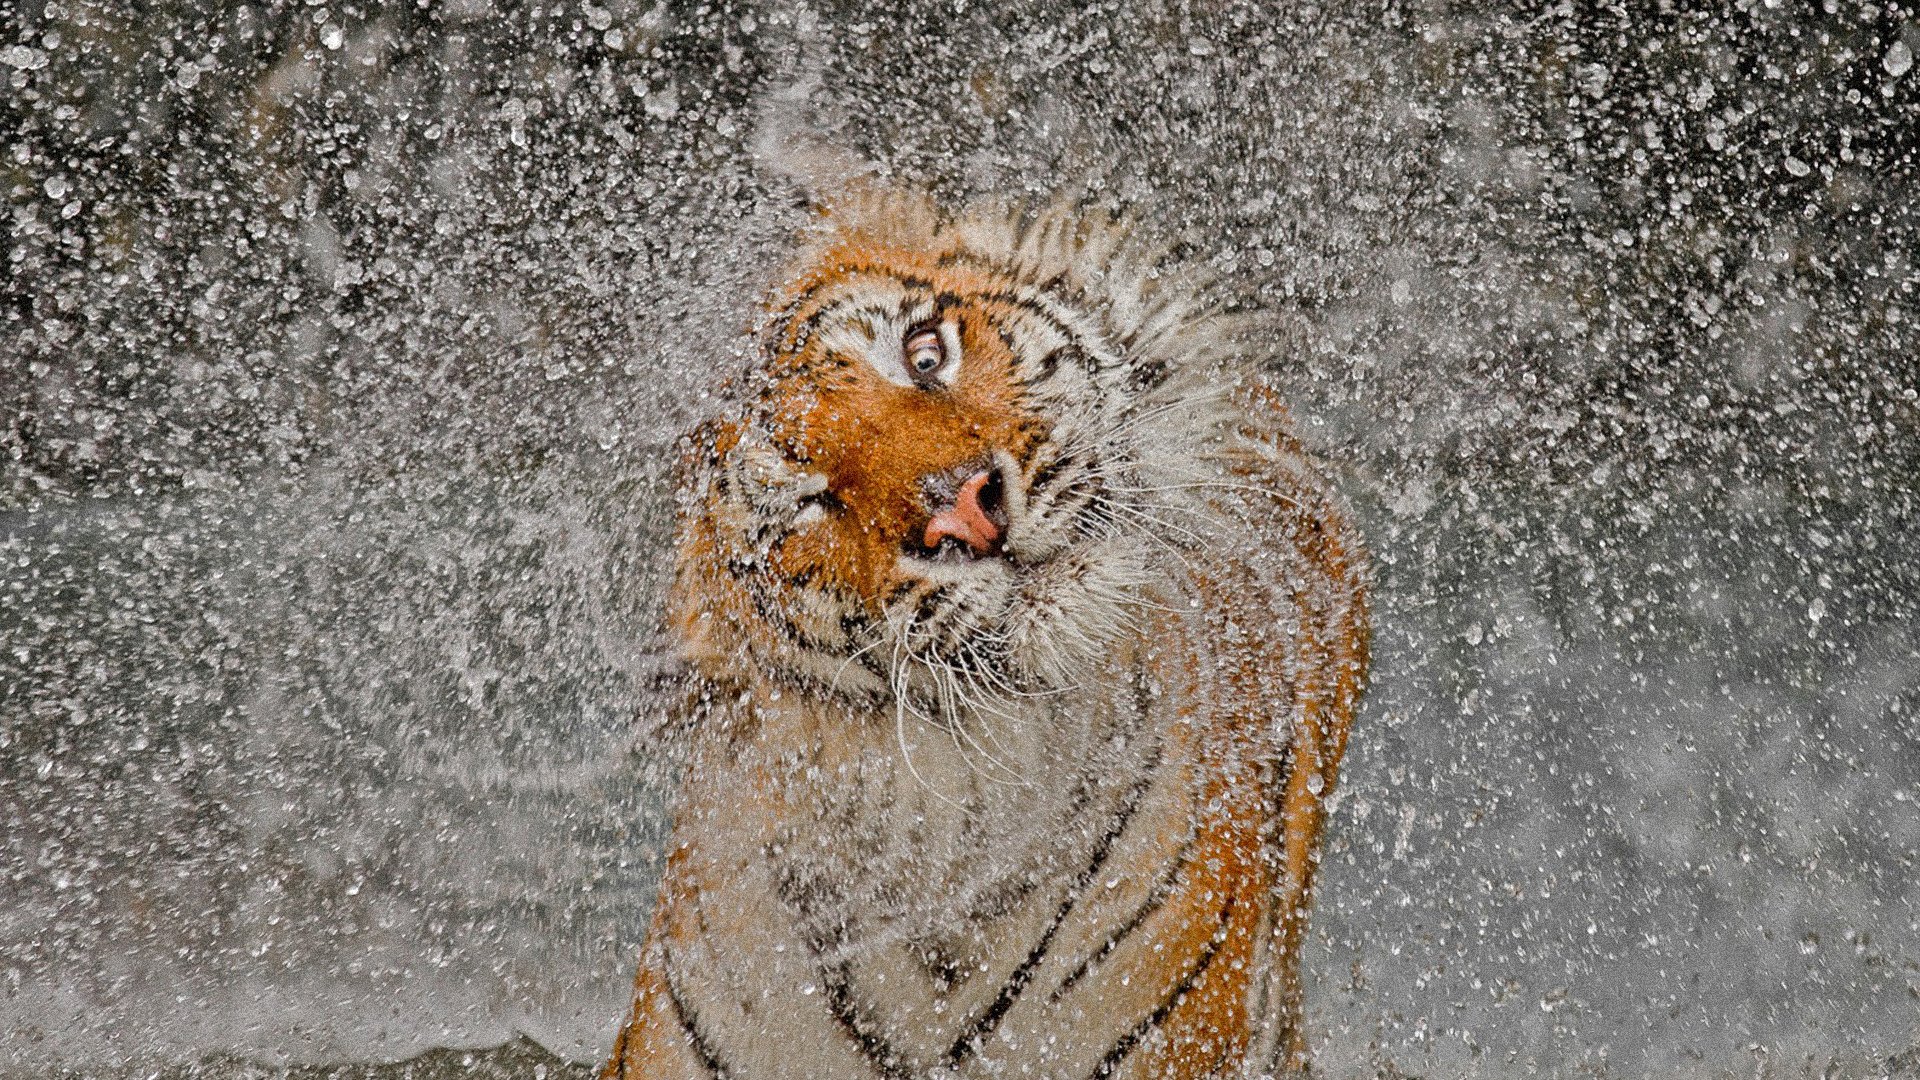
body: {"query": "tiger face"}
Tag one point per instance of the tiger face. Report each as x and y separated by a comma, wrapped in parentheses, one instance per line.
(933, 487)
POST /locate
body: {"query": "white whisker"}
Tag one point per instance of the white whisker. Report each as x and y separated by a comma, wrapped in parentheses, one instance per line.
(851, 657)
(1200, 484)
(899, 681)
(957, 721)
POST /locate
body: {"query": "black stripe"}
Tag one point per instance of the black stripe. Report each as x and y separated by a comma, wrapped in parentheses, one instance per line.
(1071, 352)
(845, 272)
(1147, 375)
(984, 1024)
(840, 1002)
(769, 608)
(1046, 474)
(1073, 499)
(620, 1052)
(940, 619)
(997, 904)
(974, 260)
(804, 330)
(1026, 304)
(781, 326)
(690, 1026)
(854, 624)
(943, 969)
(1116, 1056)
(1156, 899)
(755, 578)
(928, 606)
(871, 664)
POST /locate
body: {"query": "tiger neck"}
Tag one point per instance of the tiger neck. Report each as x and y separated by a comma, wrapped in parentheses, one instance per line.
(894, 824)
(814, 744)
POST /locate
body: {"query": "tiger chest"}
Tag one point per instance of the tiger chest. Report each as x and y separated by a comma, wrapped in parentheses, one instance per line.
(927, 881)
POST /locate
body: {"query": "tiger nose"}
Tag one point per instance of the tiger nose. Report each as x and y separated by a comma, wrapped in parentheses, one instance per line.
(970, 519)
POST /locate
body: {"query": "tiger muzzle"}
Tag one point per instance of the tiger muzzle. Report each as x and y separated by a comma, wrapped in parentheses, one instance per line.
(971, 521)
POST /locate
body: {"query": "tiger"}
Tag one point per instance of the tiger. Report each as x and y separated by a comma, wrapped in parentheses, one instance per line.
(1020, 639)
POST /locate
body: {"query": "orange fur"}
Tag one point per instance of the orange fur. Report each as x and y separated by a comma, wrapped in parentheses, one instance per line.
(1248, 638)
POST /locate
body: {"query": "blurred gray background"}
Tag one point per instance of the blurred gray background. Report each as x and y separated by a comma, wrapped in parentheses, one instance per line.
(343, 347)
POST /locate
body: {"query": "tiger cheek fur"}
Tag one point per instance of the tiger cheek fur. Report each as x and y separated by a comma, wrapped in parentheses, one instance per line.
(1022, 642)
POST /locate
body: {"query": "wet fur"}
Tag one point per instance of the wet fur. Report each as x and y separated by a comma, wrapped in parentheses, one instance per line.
(1056, 810)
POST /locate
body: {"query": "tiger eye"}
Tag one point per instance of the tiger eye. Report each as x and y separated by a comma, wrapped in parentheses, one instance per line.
(924, 351)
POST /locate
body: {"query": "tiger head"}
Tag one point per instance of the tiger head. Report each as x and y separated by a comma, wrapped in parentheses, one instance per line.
(955, 465)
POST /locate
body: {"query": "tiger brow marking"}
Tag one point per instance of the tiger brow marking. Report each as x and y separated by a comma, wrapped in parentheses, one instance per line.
(872, 315)
(989, 1019)
(804, 330)
(690, 1026)
(1072, 350)
(778, 327)
(1023, 303)
(1131, 1040)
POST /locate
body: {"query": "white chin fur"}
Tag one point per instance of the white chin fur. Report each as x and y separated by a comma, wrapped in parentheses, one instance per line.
(1066, 613)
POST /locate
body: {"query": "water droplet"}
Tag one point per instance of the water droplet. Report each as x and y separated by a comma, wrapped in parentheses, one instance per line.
(1898, 60)
(24, 58)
